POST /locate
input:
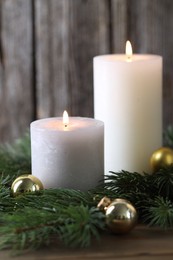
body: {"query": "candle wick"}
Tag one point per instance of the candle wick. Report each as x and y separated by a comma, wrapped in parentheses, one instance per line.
(129, 58)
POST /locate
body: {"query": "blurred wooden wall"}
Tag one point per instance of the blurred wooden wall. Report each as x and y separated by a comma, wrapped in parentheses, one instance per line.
(47, 47)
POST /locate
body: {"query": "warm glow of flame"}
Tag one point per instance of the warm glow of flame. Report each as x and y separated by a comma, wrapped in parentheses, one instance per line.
(65, 118)
(129, 51)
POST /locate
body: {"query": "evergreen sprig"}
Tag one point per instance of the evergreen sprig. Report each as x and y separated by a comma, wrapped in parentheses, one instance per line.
(163, 182)
(15, 159)
(70, 216)
(168, 136)
(160, 213)
(31, 228)
(81, 223)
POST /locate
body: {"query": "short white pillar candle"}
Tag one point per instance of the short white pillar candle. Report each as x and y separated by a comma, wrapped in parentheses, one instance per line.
(69, 155)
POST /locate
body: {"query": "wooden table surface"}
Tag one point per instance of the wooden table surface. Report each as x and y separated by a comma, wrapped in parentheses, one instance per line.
(142, 243)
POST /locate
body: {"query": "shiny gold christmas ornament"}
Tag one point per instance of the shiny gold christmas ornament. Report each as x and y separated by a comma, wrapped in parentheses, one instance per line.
(161, 158)
(121, 216)
(25, 183)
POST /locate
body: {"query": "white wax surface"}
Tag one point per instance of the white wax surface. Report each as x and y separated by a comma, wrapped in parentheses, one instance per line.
(128, 98)
(68, 157)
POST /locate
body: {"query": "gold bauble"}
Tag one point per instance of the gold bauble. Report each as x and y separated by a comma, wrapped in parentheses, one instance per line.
(25, 183)
(120, 214)
(161, 158)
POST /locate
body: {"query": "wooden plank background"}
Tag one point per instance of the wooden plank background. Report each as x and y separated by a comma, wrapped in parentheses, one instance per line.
(47, 47)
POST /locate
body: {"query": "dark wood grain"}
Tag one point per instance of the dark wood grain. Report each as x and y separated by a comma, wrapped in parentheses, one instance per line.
(46, 53)
(16, 102)
(68, 35)
(150, 26)
(119, 25)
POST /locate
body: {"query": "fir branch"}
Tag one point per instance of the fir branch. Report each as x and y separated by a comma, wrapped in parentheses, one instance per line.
(152, 195)
(15, 159)
(125, 182)
(160, 214)
(163, 182)
(19, 149)
(81, 223)
(45, 199)
(168, 136)
(75, 226)
(21, 231)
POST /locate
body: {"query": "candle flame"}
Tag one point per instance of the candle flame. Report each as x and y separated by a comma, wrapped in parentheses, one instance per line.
(129, 51)
(65, 118)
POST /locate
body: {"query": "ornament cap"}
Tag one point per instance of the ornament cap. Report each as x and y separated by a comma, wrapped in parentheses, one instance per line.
(104, 203)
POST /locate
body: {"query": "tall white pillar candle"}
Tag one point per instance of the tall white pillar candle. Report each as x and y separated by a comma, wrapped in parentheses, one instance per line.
(68, 156)
(128, 98)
